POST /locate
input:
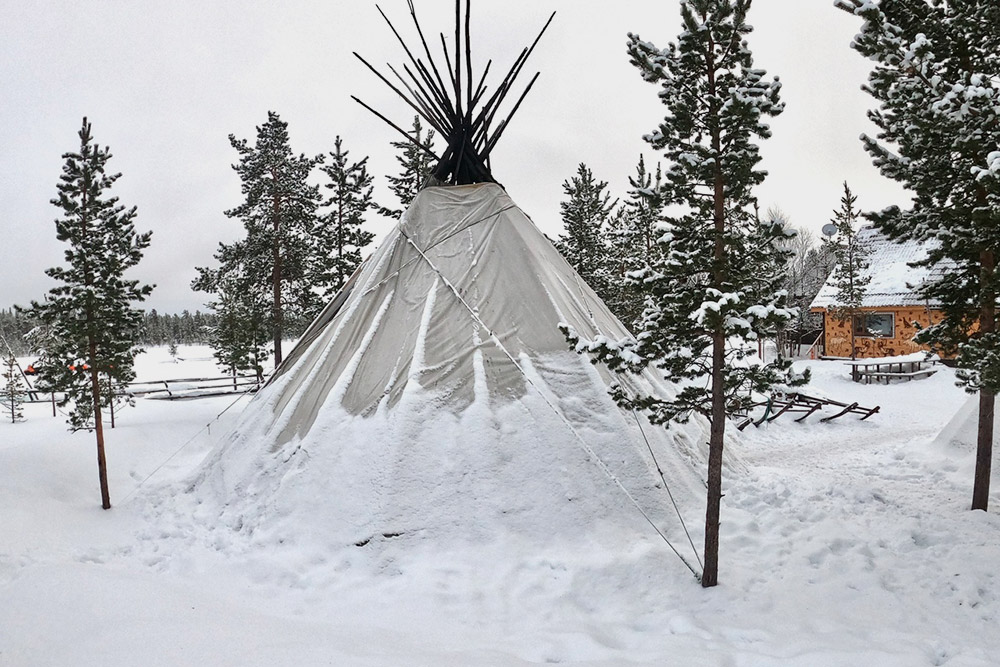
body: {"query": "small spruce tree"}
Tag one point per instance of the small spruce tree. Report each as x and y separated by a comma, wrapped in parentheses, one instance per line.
(586, 213)
(632, 241)
(91, 329)
(13, 390)
(339, 237)
(645, 202)
(240, 305)
(416, 167)
(849, 275)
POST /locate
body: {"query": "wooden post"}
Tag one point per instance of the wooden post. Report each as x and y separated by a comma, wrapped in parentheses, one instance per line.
(53, 403)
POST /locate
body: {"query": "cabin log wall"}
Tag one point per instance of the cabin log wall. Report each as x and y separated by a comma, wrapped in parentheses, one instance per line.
(837, 333)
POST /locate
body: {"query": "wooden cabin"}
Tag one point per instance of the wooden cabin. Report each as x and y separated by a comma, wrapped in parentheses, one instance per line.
(892, 311)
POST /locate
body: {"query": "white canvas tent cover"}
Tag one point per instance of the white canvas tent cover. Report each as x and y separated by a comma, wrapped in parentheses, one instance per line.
(962, 430)
(438, 401)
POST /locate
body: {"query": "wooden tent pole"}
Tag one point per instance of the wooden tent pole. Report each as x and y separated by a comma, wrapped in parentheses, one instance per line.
(429, 93)
(441, 96)
(396, 127)
(416, 62)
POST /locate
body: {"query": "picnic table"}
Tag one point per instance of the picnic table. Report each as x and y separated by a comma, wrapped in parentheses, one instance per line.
(885, 369)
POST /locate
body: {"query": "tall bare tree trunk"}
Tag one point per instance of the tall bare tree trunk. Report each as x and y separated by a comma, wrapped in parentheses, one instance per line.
(984, 452)
(340, 244)
(717, 432)
(987, 400)
(102, 464)
(95, 384)
(111, 400)
(716, 440)
(276, 285)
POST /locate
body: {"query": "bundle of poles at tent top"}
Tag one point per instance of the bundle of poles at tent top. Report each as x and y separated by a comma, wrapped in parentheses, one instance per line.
(457, 107)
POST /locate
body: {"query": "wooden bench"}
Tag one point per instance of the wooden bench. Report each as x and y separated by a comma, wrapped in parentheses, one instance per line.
(887, 376)
(888, 368)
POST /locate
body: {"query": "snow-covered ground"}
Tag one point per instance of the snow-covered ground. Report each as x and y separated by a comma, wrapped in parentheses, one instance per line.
(846, 543)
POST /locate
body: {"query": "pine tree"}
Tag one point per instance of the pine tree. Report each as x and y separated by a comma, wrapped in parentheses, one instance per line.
(198, 328)
(13, 392)
(849, 275)
(239, 336)
(339, 237)
(585, 215)
(715, 282)
(279, 214)
(416, 167)
(151, 328)
(645, 202)
(620, 257)
(91, 327)
(937, 84)
(187, 327)
(14, 326)
(631, 240)
(174, 327)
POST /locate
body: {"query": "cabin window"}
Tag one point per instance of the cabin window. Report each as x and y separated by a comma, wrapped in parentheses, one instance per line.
(874, 325)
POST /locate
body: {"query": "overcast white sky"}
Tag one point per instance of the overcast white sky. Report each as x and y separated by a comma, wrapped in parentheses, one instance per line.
(165, 83)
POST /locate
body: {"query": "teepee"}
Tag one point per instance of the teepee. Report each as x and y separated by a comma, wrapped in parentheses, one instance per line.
(435, 401)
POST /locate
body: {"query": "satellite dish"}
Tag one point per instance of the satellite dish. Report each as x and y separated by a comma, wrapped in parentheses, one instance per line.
(829, 229)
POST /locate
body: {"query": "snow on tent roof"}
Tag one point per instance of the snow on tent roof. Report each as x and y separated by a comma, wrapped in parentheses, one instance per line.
(440, 402)
(893, 281)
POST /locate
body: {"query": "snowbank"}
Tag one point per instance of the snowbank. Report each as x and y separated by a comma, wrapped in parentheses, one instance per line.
(846, 543)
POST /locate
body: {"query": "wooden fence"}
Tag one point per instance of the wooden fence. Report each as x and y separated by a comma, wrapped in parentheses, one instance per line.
(177, 389)
(182, 388)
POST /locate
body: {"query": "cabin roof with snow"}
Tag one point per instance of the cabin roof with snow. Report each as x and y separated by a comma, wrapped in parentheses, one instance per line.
(893, 281)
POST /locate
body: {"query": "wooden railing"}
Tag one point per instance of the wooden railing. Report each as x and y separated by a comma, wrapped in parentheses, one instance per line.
(176, 389)
(194, 387)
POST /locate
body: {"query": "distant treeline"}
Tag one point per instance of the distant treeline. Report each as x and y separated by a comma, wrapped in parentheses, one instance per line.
(14, 327)
(183, 329)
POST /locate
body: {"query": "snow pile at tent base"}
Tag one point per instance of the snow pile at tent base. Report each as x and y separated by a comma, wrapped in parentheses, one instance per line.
(439, 405)
(843, 543)
(962, 430)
